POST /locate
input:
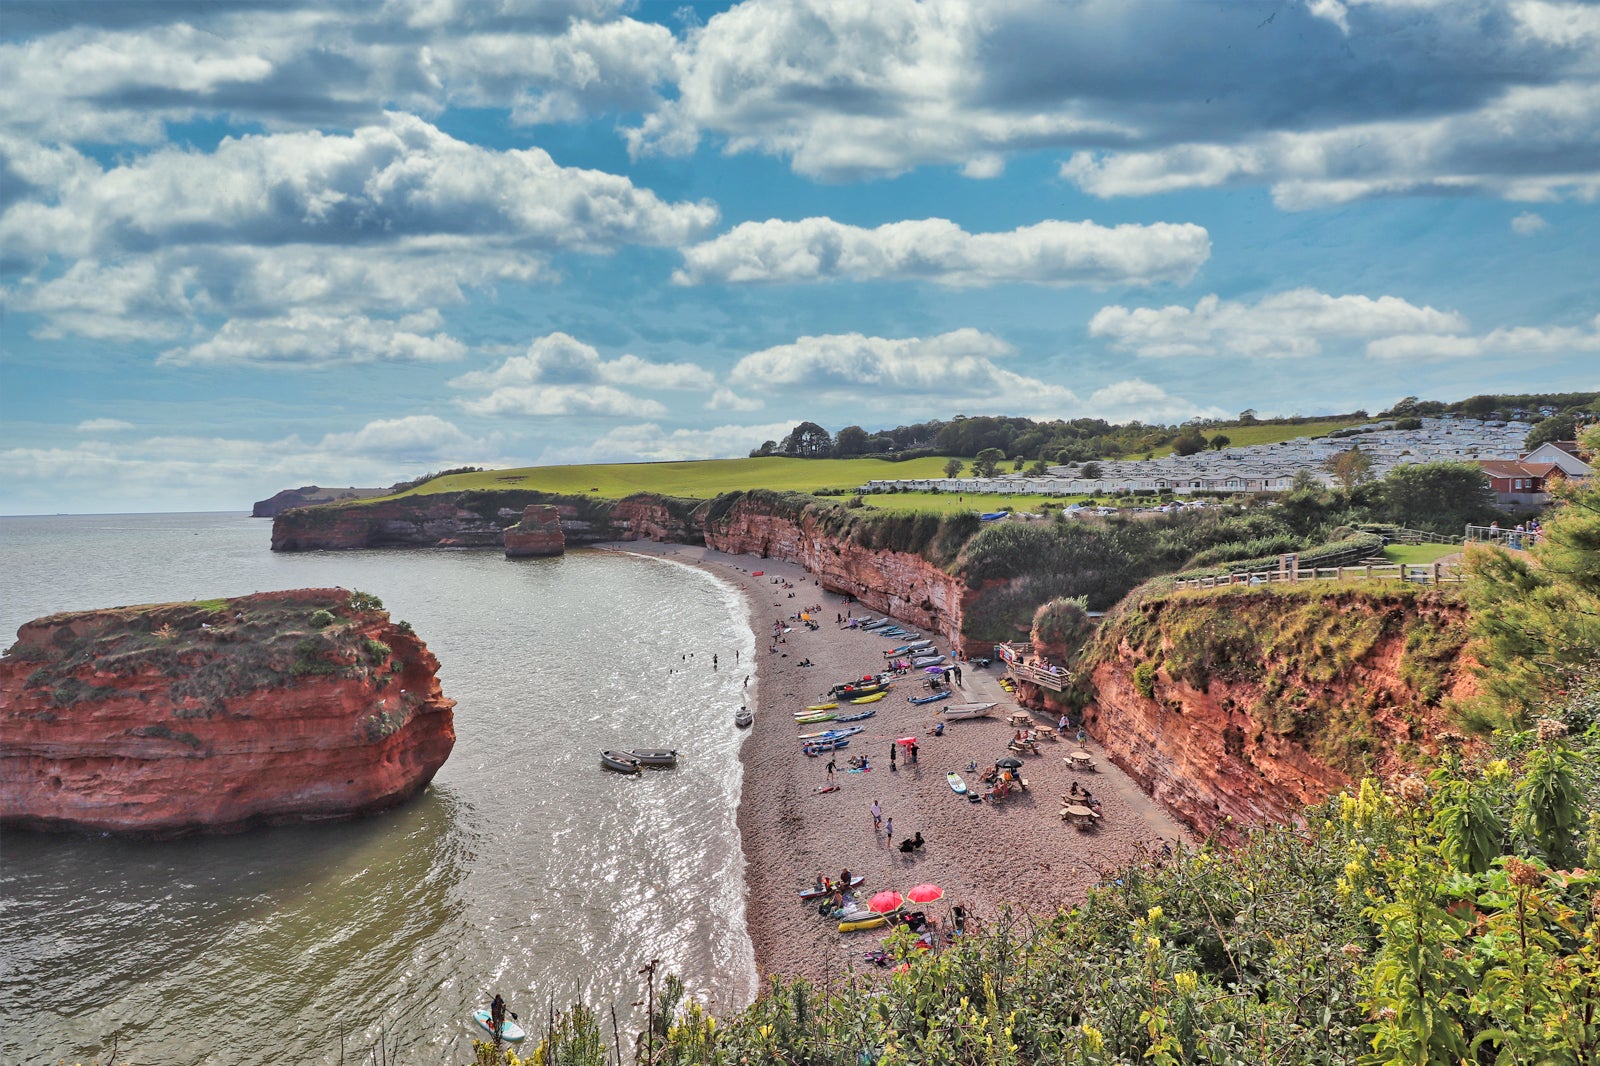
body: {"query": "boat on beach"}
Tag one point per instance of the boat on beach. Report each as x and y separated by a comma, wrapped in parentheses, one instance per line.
(619, 761)
(926, 661)
(813, 719)
(935, 698)
(857, 716)
(743, 717)
(964, 710)
(870, 699)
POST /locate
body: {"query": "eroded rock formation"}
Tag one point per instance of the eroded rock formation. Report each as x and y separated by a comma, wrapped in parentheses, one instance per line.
(215, 716)
(538, 534)
(1241, 707)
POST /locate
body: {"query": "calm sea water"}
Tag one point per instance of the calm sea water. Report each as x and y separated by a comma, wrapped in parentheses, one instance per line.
(524, 869)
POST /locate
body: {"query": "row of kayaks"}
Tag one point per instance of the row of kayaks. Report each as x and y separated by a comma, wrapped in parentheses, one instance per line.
(632, 762)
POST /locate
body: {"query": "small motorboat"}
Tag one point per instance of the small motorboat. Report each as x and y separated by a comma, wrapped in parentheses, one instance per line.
(510, 1031)
(822, 893)
(620, 761)
(743, 717)
(966, 710)
(662, 757)
(935, 698)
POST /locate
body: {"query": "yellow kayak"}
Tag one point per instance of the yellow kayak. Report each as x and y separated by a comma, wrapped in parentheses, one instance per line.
(823, 707)
(863, 923)
(871, 699)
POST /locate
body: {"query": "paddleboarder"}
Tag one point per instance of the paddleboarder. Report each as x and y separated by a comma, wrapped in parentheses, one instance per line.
(497, 1016)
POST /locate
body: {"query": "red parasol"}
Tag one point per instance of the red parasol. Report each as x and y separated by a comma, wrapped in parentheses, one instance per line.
(907, 741)
(925, 893)
(885, 902)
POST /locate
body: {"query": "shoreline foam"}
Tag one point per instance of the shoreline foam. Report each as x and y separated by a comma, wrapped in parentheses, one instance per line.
(1016, 852)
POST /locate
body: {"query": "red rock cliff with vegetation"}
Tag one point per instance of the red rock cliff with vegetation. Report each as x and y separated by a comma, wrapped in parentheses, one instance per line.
(1242, 706)
(215, 716)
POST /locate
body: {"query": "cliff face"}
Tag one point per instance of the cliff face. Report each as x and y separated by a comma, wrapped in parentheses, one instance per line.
(1242, 707)
(181, 718)
(478, 520)
(901, 584)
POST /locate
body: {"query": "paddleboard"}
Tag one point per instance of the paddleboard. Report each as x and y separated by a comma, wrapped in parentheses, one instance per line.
(510, 1031)
(957, 785)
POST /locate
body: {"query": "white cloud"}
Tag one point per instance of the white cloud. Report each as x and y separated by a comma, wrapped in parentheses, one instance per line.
(900, 373)
(537, 401)
(1517, 340)
(559, 358)
(1288, 324)
(1137, 399)
(728, 400)
(103, 425)
(648, 442)
(208, 472)
(305, 338)
(1528, 223)
(935, 249)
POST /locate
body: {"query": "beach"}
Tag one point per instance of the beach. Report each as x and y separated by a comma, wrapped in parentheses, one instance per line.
(1016, 852)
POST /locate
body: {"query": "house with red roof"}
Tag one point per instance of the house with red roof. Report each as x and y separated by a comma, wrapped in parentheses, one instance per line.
(1527, 482)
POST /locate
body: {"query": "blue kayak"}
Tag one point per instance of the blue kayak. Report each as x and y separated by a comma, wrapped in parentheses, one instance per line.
(935, 698)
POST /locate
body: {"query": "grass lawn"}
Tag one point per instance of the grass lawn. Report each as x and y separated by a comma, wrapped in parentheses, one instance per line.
(1243, 436)
(1418, 554)
(697, 479)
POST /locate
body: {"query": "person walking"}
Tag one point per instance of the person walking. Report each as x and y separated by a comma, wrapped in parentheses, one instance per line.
(913, 750)
(877, 816)
(888, 831)
(892, 766)
(833, 765)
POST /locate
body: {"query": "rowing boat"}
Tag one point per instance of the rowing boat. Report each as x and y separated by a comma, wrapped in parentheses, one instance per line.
(743, 717)
(965, 710)
(620, 761)
(654, 756)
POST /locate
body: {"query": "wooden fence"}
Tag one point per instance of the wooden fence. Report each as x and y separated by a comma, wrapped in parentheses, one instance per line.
(1423, 574)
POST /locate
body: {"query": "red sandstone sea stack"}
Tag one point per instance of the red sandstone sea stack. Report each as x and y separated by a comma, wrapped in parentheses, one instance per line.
(161, 720)
(538, 534)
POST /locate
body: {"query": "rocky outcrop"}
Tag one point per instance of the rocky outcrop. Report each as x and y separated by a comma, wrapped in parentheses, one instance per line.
(216, 716)
(901, 584)
(538, 534)
(480, 520)
(307, 496)
(1241, 707)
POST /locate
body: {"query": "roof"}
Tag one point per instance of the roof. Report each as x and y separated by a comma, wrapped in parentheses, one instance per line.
(1510, 468)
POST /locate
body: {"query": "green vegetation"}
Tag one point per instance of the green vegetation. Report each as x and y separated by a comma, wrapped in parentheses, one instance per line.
(1418, 554)
(1440, 922)
(1243, 435)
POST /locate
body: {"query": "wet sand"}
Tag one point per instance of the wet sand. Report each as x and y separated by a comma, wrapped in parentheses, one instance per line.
(1017, 851)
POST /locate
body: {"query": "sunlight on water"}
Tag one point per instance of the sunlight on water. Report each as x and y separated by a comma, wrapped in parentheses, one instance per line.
(525, 869)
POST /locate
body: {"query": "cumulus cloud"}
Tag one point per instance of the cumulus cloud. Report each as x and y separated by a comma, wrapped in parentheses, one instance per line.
(1138, 399)
(1516, 340)
(1527, 224)
(103, 425)
(728, 400)
(205, 472)
(1491, 96)
(305, 338)
(1291, 324)
(561, 375)
(537, 401)
(649, 442)
(886, 372)
(935, 249)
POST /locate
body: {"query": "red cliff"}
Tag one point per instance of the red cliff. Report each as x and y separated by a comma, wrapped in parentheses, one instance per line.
(1243, 706)
(215, 716)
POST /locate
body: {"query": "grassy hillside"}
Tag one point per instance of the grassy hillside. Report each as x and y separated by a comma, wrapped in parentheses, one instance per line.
(699, 479)
(1269, 432)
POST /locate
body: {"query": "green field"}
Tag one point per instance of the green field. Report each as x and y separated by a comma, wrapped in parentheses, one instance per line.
(1418, 554)
(696, 479)
(1269, 433)
(953, 502)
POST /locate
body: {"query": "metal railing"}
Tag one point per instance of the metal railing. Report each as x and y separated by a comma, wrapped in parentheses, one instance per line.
(1515, 539)
(1016, 656)
(1420, 573)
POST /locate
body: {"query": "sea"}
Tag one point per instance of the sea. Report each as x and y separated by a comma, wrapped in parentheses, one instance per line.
(524, 869)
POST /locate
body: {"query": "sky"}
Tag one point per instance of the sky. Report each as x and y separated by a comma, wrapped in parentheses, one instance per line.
(256, 245)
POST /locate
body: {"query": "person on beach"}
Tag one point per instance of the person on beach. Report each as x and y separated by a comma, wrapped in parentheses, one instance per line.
(832, 766)
(1061, 726)
(844, 879)
(913, 750)
(877, 816)
(892, 746)
(822, 883)
(888, 831)
(958, 675)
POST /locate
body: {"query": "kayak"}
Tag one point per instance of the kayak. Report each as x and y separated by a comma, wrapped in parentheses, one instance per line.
(870, 699)
(510, 1031)
(813, 719)
(823, 706)
(935, 698)
(957, 785)
(863, 923)
(857, 717)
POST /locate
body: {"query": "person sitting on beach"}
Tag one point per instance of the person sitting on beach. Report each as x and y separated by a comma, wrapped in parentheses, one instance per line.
(844, 879)
(822, 883)
(1074, 788)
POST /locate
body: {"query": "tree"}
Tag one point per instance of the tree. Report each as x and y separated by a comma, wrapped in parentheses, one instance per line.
(1349, 468)
(1407, 423)
(1305, 481)
(1404, 407)
(1090, 470)
(852, 440)
(987, 461)
(1536, 614)
(809, 441)
(1441, 497)
(1220, 441)
(1563, 426)
(1190, 442)
(766, 448)
(952, 467)
(1017, 461)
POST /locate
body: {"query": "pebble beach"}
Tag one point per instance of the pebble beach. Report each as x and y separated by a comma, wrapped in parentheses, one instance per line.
(1016, 852)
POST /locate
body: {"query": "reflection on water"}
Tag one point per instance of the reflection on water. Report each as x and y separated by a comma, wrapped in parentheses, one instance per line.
(524, 868)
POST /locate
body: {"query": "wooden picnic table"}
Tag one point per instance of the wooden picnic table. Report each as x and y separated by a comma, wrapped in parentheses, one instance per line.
(1044, 732)
(1079, 760)
(1079, 814)
(1021, 719)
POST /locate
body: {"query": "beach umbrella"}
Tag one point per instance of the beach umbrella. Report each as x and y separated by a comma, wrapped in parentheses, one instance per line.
(1009, 763)
(884, 902)
(907, 741)
(925, 893)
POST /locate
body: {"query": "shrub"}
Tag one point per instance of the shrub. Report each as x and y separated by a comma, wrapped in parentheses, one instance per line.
(321, 619)
(1144, 679)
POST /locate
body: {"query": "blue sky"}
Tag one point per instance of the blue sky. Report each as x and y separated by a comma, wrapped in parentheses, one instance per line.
(251, 246)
